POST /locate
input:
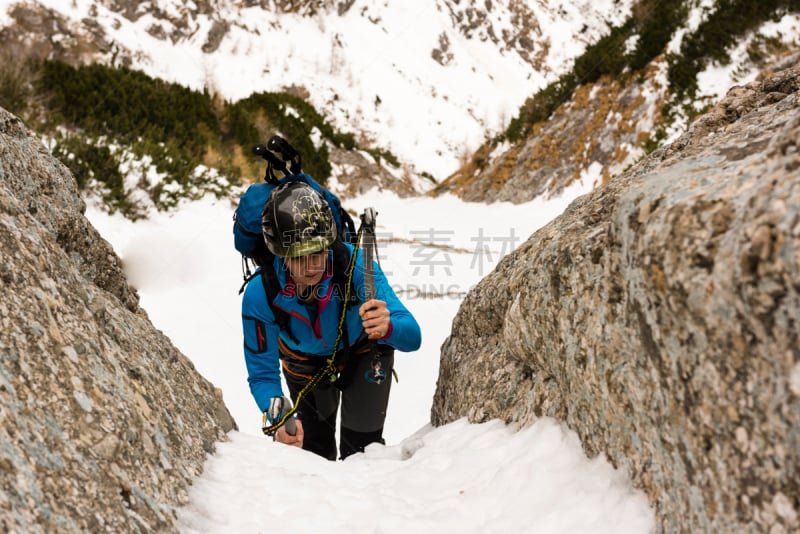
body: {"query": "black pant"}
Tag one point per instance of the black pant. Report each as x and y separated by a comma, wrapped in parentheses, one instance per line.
(364, 404)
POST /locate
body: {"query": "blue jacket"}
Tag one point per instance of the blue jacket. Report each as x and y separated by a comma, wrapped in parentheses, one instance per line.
(318, 337)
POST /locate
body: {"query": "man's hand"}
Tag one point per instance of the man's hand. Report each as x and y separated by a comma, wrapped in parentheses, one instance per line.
(281, 436)
(375, 318)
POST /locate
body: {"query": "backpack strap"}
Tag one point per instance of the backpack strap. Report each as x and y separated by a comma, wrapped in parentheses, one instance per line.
(348, 230)
(344, 222)
(341, 264)
(271, 287)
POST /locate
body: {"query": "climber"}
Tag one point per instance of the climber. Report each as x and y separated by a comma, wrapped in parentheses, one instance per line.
(298, 329)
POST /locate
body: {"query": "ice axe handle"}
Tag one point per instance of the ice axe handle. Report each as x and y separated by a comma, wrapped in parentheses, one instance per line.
(261, 150)
(368, 248)
(291, 426)
(277, 409)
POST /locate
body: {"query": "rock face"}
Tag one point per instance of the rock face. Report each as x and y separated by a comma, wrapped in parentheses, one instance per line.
(658, 317)
(600, 131)
(103, 423)
(359, 173)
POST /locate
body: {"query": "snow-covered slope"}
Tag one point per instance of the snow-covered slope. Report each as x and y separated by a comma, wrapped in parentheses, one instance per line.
(426, 80)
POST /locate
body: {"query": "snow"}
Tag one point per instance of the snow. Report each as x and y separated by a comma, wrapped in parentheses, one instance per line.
(457, 478)
(715, 81)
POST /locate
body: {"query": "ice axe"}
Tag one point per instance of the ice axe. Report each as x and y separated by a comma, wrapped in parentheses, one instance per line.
(279, 409)
(369, 247)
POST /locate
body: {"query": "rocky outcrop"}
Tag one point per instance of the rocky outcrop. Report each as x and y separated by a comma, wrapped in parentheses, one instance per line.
(44, 32)
(520, 34)
(659, 318)
(103, 423)
(41, 32)
(517, 27)
(49, 193)
(358, 172)
(594, 136)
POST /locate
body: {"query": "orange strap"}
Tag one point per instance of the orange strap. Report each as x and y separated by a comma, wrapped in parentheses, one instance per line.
(283, 348)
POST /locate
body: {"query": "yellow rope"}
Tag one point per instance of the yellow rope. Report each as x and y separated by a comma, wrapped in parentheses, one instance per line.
(330, 367)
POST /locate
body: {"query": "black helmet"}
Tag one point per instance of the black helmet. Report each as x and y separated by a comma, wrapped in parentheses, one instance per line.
(297, 221)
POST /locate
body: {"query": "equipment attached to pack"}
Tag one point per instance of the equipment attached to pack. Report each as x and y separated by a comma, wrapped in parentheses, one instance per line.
(279, 155)
(247, 232)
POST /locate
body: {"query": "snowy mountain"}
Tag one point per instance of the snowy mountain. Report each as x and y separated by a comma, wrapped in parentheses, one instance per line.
(440, 93)
(429, 81)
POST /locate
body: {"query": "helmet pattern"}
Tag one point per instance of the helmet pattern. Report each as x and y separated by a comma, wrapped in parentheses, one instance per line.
(297, 221)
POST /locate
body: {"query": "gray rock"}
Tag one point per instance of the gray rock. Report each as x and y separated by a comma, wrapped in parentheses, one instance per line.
(47, 191)
(103, 423)
(359, 172)
(215, 35)
(602, 126)
(658, 318)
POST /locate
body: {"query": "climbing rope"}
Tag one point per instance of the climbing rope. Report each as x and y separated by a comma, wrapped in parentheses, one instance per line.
(330, 366)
